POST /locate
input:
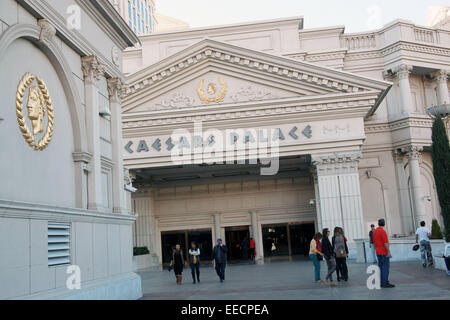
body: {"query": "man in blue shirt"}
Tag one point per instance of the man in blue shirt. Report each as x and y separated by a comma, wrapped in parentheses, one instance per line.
(219, 256)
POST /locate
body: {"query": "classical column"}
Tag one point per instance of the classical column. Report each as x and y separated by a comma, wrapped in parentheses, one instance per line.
(418, 201)
(339, 193)
(216, 234)
(115, 88)
(403, 192)
(403, 72)
(442, 87)
(319, 224)
(93, 71)
(257, 237)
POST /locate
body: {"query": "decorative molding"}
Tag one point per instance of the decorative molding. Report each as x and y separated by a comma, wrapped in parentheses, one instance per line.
(227, 114)
(48, 31)
(115, 89)
(336, 163)
(82, 157)
(21, 210)
(175, 101)
(251, 94)
(215, 53)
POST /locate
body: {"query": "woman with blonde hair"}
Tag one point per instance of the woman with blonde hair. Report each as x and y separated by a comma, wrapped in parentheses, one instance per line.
(315, 254)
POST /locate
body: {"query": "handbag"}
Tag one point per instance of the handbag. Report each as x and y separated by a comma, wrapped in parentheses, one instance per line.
(273, 247)
(195, 260)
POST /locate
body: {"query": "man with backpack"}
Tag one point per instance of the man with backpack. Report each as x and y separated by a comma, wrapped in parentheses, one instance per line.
(381, 242)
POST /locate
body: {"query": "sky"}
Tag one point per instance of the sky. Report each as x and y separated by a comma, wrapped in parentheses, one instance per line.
(356, 15)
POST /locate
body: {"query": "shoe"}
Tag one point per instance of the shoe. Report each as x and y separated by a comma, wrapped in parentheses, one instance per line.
(221, 280)
(448, 273)
(333, 284)
(346, 279)
(424, 265)
(387, 286)
(339, 279)
(198, 280)
(431, 264)
(193, 282)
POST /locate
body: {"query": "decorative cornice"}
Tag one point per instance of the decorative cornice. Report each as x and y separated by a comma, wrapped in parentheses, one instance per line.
(397, 125)
(82, 157)
(258, 109)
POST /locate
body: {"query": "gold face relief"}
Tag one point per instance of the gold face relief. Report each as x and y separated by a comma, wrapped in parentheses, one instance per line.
(212, 96)
(39, 104)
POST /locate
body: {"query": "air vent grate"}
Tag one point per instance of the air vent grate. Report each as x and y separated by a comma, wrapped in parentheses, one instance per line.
(58, 244)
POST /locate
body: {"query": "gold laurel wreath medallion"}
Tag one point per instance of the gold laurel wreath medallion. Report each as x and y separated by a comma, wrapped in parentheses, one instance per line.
(212, 89)
(45, 101)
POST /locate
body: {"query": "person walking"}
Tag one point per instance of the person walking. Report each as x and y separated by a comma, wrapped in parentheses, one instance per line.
(194, 260)
(381, 242)
(328, 253)
(219, 256)
(371, 245)
(177, 263)
(252, 249)
(341, 252)
(315, 252)
(423, 239)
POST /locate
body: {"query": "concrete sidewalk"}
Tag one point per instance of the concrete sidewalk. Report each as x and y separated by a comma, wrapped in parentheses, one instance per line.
(294, 281)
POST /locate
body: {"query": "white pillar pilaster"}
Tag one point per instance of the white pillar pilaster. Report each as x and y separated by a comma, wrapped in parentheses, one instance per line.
(93, 71)
(217, 232)
(442, 87)
(403, 192)
(340, 193)
(115, 88)
(403, 72)
(414, 153)
(257, 237)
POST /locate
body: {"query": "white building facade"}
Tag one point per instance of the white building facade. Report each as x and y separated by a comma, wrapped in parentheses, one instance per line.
(349, 112)
(63, 206)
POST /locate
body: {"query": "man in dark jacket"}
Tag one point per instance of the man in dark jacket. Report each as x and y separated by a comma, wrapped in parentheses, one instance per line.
(219, 256)
(328, 253)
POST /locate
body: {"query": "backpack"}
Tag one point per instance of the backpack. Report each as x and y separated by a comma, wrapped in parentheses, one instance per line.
(339, 247)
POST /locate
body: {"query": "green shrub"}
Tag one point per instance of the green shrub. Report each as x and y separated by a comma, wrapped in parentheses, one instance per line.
(140, 251)
(436, 232)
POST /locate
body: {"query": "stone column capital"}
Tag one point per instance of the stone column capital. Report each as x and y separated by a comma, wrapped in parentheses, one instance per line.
(402, 71)
(115, 89)
(441, 76)
(336, 163)
(413, 152)
(93, 70)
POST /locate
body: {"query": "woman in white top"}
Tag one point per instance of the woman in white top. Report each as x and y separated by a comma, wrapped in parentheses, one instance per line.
(194, 259)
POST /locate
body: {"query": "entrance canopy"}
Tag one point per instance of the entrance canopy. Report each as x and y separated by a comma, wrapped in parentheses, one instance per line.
(217, 94)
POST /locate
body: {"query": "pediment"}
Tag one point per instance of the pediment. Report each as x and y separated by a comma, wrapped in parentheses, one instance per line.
(215, 87)
(215, 73)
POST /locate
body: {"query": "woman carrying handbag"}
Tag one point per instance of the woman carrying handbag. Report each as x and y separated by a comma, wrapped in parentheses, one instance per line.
(177, 263)
(341, 252)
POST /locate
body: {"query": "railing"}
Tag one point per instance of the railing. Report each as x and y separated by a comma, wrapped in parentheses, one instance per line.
(359, 42)
(424, 35)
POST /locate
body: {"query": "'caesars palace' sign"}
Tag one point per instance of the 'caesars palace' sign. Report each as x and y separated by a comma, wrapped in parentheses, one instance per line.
(238, 138)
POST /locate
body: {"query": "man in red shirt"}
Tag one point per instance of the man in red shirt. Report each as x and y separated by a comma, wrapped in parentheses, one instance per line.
(381, 242)
(252, 249)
